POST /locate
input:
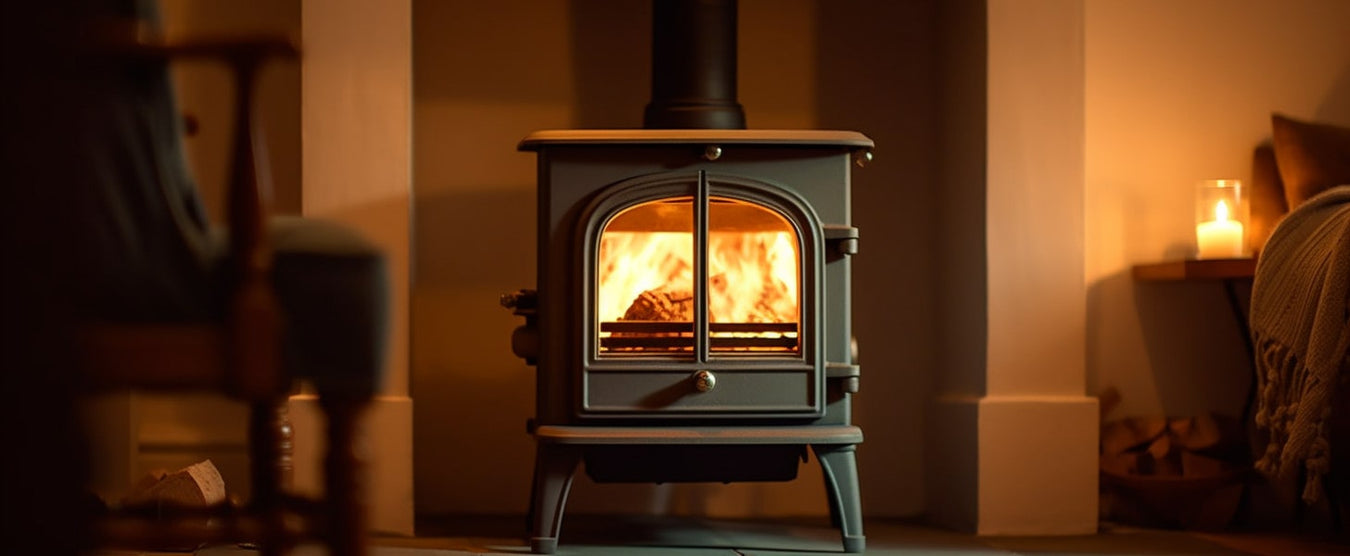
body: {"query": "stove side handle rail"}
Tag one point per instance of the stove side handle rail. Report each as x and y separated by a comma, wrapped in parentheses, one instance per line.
(842, 241)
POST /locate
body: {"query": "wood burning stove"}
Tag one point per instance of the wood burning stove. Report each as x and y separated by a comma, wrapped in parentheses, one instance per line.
(692, 316)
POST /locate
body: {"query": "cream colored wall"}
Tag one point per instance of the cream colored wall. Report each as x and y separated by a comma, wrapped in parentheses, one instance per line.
(488, 73)
(875, 69)
(1014, 448)
(1177, 92)
(356, 123)
(479, 86)
(1168, 93)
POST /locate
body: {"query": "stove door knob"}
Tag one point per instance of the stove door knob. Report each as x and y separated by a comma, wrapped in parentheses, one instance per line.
(704, 381)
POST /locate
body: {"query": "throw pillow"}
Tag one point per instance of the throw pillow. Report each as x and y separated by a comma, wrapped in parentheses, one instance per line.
(1312, 157)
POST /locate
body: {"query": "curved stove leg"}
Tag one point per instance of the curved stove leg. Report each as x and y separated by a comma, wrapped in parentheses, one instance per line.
(554, 465)
(840, 466)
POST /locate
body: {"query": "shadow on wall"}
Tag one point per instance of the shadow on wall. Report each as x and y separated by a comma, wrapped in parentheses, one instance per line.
(485, 74)
(1194, 353)
(877, 73)
(611, 60)
(472, 394)
(1195, 346)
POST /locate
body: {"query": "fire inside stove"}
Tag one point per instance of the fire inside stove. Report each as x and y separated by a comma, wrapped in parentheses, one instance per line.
(647, 294)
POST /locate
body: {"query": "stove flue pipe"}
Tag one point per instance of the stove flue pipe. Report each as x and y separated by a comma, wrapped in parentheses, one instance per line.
(694, 66)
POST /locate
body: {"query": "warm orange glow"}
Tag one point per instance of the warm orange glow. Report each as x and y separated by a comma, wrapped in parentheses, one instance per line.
(1221, 211)
(645, 270)
(636, 262)
(752, 277)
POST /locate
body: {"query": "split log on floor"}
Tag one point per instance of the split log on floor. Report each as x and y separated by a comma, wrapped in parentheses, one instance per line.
(194, 486)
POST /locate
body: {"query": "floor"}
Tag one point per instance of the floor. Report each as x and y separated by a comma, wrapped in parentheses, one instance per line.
(664, 536)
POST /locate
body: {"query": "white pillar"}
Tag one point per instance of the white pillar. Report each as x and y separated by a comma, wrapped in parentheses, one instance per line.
(356, 128)
(1015, 437)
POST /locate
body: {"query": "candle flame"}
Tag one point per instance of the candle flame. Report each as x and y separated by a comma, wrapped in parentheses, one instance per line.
(1221, 211)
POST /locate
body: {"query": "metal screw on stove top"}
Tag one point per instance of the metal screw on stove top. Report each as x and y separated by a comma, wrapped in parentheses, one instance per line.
(712, 152)
(862, 158)
(704, 381)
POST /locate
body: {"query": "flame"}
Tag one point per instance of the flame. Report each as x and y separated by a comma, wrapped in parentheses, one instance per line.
(1221, 211)
(635, 262)
(752, 275)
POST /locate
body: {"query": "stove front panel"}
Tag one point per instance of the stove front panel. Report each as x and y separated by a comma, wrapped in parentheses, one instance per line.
(646, 353)
(700, 297)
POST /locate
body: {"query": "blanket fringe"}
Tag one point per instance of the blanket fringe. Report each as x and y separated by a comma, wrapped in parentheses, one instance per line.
(1285, 384)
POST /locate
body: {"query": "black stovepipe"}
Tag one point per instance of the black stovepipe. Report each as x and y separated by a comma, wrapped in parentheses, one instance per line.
(694, 66)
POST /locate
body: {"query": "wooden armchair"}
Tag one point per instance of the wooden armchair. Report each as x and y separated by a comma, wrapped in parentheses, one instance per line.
(123, 285)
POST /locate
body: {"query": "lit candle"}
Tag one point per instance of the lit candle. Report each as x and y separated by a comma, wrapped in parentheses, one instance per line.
(1220, 238)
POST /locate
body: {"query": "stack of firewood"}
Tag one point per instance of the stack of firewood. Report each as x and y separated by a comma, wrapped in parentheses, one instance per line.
(1200, 446)
(1183, 472)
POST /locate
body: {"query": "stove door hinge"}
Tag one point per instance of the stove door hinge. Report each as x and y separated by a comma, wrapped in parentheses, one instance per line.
(849, 374)
(840, 240)
(525, 338)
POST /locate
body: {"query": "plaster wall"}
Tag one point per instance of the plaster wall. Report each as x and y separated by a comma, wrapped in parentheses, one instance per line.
(488, 73)
(356, 126)
(1014, 437)
(1178, 92)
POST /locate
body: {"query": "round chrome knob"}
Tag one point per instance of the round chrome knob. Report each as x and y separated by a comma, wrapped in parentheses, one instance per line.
(712, 152)
(704, 381)
(862, 158)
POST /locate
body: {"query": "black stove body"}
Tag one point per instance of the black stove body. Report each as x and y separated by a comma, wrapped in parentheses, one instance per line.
(691, 321)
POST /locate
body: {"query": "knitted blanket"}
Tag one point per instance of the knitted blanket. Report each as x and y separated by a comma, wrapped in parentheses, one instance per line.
(1300, 323)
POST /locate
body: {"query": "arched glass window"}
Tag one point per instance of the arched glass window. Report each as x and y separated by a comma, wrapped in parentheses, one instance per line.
(648, 262)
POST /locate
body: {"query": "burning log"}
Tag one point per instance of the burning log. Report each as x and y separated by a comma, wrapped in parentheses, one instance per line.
(662, 305)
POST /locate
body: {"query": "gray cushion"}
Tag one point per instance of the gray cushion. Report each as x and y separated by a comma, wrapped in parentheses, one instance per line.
(332, 285)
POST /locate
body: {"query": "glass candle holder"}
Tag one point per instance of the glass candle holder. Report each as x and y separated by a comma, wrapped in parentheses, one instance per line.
(1220, 219)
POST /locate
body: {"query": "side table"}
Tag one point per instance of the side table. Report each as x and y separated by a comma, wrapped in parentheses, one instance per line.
(1230, 272)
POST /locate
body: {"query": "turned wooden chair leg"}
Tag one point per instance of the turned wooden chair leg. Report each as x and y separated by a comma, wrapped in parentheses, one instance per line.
(270, 453)
(344, 478)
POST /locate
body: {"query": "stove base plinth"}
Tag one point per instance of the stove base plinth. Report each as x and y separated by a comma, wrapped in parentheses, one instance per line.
(561, 448)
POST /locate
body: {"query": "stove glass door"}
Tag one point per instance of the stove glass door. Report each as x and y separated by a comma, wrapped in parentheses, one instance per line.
(676, 278)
